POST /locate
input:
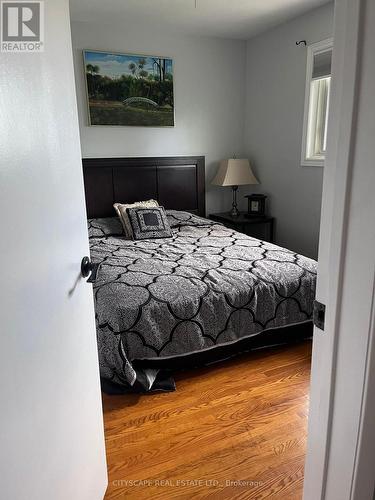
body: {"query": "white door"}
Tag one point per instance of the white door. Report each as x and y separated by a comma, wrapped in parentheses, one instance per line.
(51, 429)
(341, 448)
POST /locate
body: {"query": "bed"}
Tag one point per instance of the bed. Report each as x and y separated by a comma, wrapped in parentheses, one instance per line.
(203, 294)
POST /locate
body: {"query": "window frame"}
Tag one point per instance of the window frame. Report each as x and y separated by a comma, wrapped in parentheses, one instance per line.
(312, 50)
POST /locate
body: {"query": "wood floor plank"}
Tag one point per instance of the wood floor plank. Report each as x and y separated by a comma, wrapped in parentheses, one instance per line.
(234, 430)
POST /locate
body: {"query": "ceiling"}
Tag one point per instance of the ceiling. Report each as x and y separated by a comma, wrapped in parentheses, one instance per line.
(240, 19)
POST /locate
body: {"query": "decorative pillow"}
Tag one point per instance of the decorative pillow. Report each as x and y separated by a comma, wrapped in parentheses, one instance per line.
(121, 212)
(149, 223)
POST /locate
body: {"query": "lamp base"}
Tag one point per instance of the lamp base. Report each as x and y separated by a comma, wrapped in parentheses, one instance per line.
(234, 212)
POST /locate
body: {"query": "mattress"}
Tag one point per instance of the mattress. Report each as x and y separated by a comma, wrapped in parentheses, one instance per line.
(206, 286)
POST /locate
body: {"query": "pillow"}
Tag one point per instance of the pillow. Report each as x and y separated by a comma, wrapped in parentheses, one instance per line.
(121, 212)
(149, 223)
(104, 227)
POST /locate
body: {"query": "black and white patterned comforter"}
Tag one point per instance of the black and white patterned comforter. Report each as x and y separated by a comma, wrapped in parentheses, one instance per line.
(206, 285)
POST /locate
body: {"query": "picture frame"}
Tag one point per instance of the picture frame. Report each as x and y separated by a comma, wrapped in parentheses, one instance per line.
(124, 89)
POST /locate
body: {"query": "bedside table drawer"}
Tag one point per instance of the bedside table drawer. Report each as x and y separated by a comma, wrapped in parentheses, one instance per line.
(256, 226)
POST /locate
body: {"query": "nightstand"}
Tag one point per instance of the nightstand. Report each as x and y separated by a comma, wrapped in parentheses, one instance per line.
(258, 226)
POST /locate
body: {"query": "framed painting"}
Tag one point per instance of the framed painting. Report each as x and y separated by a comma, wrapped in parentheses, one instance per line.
(128, 89)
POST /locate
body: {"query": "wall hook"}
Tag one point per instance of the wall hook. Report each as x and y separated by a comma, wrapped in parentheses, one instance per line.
(301, 41)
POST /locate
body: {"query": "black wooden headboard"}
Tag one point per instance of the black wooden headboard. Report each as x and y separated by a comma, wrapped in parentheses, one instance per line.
(176, 182)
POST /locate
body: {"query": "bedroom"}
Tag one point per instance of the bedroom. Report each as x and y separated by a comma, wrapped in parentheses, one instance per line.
(204, 317)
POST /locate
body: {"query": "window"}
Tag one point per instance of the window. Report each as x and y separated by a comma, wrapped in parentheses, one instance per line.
(318, 83)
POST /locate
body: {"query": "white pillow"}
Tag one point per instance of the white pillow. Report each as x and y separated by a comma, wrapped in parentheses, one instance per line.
(121, 212)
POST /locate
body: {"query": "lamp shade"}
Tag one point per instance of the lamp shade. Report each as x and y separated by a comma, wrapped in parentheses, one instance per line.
(234, 172)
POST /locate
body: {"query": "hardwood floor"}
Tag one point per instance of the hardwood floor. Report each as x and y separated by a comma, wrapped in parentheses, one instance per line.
(241, 420)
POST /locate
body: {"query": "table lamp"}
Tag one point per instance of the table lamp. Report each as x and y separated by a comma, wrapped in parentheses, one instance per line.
(234, 172)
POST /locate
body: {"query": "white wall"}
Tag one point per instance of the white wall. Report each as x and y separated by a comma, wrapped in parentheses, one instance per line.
(275, 88)
(209, 98)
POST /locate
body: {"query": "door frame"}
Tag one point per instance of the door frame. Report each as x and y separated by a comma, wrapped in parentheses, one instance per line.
(332, 348)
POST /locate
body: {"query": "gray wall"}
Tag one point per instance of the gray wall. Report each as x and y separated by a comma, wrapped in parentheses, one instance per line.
(217, 115)
(209, 98)
(275, 89)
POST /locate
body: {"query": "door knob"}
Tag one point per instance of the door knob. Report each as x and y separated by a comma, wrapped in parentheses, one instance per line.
(87, 268)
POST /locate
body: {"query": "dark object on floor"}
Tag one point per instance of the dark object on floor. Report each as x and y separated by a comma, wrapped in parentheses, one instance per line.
(163, 382)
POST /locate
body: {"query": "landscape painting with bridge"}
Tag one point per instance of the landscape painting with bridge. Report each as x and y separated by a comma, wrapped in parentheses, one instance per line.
(129, 90)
